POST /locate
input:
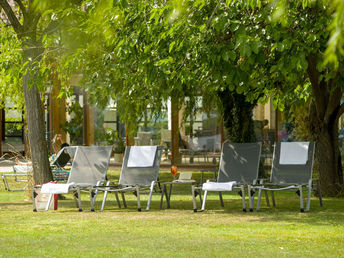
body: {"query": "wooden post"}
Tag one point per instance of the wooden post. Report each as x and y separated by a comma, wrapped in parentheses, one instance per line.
(88, 125)
(276, 124)
(58, 112)
(176, 158)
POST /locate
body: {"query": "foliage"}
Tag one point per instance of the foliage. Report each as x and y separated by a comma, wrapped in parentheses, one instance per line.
(74, 126)
(11, 69)
(113, 138)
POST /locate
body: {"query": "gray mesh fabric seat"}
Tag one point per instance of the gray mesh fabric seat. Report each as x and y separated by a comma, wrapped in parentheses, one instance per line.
(238, 168)
(139, 172)
(89, 169)
(292, 168)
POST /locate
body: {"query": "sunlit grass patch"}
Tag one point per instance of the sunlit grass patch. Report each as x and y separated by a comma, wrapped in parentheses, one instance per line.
(176, 232)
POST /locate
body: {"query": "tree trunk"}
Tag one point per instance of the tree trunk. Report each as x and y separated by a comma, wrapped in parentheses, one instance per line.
(328, 160)
(324, 115)
(237, 116)
(35, 122)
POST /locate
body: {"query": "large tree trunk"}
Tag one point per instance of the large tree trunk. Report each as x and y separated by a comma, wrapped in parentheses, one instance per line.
(327, 161)
(35, 122)
(324, 114)
(327, 155)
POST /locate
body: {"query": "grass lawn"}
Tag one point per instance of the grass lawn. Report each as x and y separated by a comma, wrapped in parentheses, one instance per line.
(177, 232)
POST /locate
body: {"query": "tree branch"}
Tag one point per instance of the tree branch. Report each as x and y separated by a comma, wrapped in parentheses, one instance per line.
(334, 99)
(21, 7)
(18, 28)
(211, 17)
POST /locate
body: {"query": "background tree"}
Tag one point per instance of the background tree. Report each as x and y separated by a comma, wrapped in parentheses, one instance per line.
(32, 25)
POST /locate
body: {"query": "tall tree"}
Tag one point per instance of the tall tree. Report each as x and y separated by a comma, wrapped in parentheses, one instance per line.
(24, 20)
(147, 51)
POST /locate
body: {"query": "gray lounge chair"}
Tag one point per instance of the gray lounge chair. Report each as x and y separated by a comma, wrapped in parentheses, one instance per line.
(292, 168)
(136, 177)
(89, 169)
(21, 172)
(239, 164)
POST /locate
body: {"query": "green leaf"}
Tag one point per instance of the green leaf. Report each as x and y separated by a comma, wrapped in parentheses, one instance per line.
(255, 46)
(171, 46)
(225, 56)
(232, 55)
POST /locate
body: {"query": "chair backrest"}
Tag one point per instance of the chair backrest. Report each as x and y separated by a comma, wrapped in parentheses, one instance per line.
(64, 156)
(292, 162)
(90, 164)
(239, 162)
(142, 176)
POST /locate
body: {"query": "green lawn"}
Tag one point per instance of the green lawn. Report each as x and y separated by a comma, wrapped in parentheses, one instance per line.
(177, 232)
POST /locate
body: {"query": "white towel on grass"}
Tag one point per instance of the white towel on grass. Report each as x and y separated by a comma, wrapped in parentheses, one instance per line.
(294, 153)
(51, 188)
(214, 186)
(141, 156)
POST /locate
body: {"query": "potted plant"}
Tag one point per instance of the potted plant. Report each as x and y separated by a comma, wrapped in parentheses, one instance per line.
(113, 138)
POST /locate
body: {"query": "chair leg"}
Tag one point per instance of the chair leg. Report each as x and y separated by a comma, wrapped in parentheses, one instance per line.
(123, 198)
(104, 197)
(221, 199)
(250, 198)
(200, 195)
(34, 195)
(243, 198)
(162, 197)
(204, 200)
(79, 199)
(49, 201)
(150, 195)
(319, 193)
(308, 205)
(117, 199)
(75, 196)
(167, 196)
(273, 199)
(259, 198)
(5, 183)
(267, 198)
(138, 198)
(93, 196)
(301, 199)
(194, 198)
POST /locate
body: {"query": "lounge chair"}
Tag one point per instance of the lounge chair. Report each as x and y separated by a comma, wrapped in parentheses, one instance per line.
(89, 169)
(238, 169)
(139, 172)
(20, 174)
(292, 167)
(60, 174)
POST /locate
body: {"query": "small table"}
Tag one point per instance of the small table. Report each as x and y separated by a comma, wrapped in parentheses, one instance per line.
(168, 194)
